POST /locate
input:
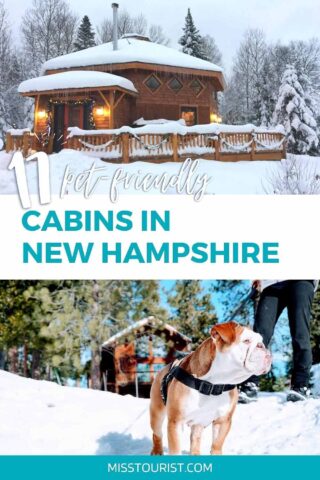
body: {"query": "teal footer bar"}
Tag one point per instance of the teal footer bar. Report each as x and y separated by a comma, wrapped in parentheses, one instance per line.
(157, 468)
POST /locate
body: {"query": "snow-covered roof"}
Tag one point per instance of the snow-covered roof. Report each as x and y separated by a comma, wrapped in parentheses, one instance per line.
(130, 50)
(149, 321)
(75, 79)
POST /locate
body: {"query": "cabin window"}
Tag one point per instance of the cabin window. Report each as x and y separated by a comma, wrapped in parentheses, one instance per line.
(153, 83)
(196, 86)
(175, 85)
(189, 115)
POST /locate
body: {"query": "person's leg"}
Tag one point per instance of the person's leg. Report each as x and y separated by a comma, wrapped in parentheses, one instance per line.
(301, 293)
(271, 304)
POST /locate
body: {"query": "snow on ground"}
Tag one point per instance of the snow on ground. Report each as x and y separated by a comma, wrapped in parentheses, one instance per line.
(39, 417)
(226, 178)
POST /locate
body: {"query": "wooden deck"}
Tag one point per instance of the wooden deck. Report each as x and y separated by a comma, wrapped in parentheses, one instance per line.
(130, 146)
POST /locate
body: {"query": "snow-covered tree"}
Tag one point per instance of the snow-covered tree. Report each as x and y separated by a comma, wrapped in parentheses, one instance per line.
(5, 59)
(85, 35)
(210, 50)
(48, 30)
(131, 24)
(191, 40)
(157, 35)
(294, 113)
(126, 24)
(244, 94)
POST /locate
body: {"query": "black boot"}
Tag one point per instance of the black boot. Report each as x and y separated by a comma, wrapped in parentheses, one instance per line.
(298, 394)
(248, 392)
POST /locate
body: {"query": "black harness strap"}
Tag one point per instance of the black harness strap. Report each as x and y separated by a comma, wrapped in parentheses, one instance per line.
(202, 386)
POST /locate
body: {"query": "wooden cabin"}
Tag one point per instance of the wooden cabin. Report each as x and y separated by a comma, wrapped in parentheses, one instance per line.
(118, 83)
(131, 358)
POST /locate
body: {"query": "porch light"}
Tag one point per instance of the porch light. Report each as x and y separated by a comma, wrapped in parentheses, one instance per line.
(41, 114)
(214, 118)
(102, 112)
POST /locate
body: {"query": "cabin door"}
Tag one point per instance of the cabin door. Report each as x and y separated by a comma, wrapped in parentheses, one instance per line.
(65, 116)
(58, 127)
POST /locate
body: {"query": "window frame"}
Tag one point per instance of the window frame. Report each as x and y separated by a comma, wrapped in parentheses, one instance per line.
(171, 89)
(202, 85)
(149, 89)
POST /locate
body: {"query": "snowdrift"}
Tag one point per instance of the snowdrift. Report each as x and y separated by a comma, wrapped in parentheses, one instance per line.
(247, 177)
(43, 418)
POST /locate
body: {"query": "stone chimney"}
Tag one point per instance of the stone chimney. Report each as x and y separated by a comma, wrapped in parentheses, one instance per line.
(115, 7)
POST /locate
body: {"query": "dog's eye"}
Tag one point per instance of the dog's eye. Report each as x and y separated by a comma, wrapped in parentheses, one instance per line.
(247, 341)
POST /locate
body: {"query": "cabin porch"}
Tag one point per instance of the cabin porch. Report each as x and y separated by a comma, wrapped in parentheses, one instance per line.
(163, 143)
(84, 99)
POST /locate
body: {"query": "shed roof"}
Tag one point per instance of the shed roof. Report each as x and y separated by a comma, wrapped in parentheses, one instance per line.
(80, 79)
(148, 324)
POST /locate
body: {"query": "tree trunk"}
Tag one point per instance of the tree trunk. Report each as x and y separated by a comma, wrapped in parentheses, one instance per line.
(13, 359)
(35, 365)
(25, 360)
(95, 348)
(95, 369)
(2, 359)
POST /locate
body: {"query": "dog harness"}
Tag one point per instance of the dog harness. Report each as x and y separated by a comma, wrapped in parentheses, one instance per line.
(202, 386)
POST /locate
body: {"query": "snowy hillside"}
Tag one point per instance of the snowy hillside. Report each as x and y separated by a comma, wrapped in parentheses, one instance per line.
(226, 178)
(44, 418)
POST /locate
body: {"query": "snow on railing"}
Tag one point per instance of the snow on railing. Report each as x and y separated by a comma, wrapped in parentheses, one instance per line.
(173, 141)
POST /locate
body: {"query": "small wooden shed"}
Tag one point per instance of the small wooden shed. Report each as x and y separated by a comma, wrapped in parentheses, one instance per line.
(131, 358)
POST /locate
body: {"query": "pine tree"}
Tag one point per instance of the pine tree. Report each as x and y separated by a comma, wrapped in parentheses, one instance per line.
(193, 311)
(85, 35)
(22, 310)
(191, 40)
(293, 112)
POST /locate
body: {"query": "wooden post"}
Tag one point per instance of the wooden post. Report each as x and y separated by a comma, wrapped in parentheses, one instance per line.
(9, 142)
(111, 103)
(253, 146)
(136, 381)
(174, 139)
(125, 147)
(50, 144)
(25, 143)
(217, 147)
(36, 108)
(284, 148)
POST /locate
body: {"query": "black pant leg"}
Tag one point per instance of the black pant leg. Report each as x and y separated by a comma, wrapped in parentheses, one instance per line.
(300, 297)
(271, 304)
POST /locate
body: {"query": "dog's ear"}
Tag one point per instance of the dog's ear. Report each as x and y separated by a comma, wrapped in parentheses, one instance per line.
(225, 331)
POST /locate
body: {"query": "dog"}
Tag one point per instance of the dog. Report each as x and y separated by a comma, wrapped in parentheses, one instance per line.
(201, 389)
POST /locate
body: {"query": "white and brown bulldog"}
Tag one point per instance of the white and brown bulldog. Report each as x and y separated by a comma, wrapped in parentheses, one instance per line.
(230, 356)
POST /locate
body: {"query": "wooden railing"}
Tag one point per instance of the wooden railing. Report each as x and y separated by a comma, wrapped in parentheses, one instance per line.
(132, 145)
(23, 141)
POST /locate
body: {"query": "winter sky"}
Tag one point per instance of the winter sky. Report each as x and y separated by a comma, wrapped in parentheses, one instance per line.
(280, 19)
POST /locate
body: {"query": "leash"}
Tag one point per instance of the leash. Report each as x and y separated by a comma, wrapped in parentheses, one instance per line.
(202, 386)
(252, 295)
